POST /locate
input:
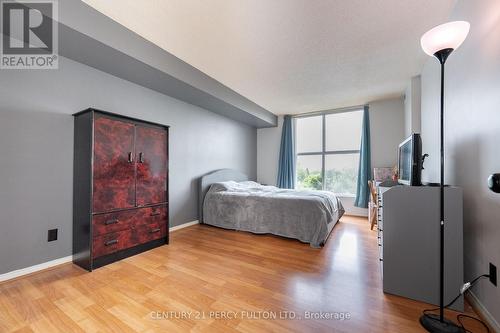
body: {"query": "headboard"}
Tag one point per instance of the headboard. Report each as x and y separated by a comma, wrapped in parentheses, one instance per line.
(218, 176)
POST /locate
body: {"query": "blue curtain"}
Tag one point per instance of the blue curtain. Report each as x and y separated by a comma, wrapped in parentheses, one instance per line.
(364, 170)
(286, 168)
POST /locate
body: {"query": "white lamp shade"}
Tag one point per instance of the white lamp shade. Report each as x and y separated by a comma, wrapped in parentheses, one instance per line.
(445, 36)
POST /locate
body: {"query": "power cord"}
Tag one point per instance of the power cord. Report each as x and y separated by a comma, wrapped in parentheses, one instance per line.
(464, 288)
(473, 318)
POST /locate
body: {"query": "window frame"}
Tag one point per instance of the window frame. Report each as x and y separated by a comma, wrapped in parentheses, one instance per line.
(323, 153)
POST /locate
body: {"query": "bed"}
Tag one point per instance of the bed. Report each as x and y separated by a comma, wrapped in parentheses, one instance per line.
(229, 200)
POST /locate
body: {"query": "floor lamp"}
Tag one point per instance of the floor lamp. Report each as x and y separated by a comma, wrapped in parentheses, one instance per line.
(440, 42)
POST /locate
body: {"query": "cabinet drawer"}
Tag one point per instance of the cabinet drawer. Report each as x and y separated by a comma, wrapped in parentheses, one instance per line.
(149, 215)
(116, 241)
(113, 222)
(380, 236)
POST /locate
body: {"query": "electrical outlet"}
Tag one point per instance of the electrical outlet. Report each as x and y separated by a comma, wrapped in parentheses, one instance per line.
(493, 274)
(52, 235)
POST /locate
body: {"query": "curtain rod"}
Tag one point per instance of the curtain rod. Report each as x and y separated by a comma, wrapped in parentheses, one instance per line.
(338, 110)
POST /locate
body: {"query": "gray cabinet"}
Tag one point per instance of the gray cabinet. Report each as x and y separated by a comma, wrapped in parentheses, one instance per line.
(408, 240)
(380, 224)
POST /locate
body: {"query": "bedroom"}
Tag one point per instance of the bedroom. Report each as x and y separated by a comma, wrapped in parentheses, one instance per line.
(198, 92)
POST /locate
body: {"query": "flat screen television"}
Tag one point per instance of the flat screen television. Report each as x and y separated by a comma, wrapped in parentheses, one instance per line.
(410, 161)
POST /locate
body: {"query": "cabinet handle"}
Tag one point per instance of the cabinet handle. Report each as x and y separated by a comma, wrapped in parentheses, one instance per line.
(154, 230)
(114, 221)
(141, 158)
(111, 242)
(155, 213)
(130, 157)
(381, 259)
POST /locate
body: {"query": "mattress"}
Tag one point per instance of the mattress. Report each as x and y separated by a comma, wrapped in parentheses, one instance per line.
(308, 216)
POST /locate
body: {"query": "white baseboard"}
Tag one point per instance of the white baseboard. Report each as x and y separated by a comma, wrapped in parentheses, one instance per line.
(356, 214)
(482, 311)
(56, 262)
(185, 225)
(35, 268)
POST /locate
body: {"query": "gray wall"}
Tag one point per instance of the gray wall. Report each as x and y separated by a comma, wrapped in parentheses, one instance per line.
(36, 149)
(268, 149)
(412, 101)
(472, 136)
(386, 129)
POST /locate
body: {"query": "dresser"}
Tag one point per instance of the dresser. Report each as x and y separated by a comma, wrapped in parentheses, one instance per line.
(408, 241)
(120, 189)
(381, 188)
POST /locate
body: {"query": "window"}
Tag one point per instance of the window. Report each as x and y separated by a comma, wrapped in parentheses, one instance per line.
(327, 148)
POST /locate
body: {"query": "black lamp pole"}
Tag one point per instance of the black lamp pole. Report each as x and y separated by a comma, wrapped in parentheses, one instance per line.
(442, 56)
(431, 322)
(439, 42)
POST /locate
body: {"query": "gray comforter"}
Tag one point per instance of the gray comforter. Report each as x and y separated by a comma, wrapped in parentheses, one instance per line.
(308, 216)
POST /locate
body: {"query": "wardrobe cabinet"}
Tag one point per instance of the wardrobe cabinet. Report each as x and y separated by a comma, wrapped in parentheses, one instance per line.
(120, 199)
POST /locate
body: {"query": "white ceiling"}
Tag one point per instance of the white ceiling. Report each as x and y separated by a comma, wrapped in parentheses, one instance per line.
(291, 56)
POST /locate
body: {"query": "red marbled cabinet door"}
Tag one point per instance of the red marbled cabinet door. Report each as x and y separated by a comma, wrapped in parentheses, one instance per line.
(114, 174)
(151, 152)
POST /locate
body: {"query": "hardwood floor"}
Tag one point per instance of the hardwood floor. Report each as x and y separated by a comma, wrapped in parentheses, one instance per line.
(215, 272)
